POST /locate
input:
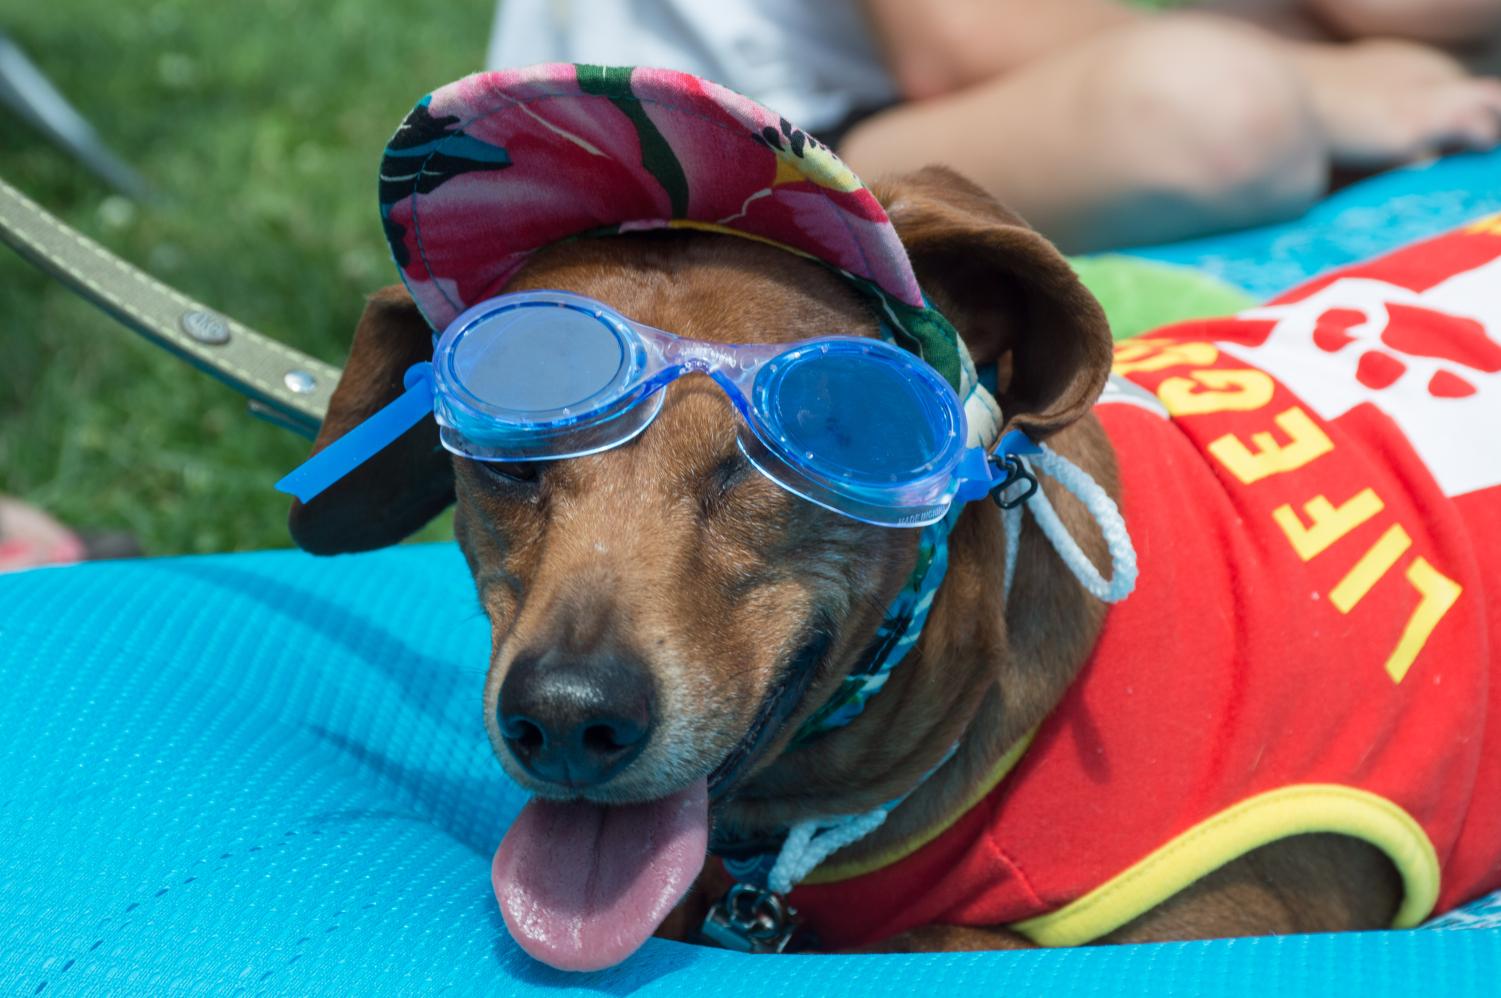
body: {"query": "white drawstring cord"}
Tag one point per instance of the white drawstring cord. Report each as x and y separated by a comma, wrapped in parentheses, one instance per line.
(1105, 513)
(1011, 526)
(1101, 508)
(811, 842)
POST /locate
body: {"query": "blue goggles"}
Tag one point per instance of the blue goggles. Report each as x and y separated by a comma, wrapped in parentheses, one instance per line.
(854, 424)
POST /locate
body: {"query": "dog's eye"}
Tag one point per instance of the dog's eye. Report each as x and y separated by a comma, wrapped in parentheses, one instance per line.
(723, 478)
(512, 472)
(730, 472)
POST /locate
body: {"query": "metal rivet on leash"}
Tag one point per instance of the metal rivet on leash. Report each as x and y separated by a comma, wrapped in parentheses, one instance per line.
(205, 327)
(1016, 474)
(300, 382)
(751, 920)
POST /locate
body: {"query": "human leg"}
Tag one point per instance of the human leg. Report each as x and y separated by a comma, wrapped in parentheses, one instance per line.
(1174, 127)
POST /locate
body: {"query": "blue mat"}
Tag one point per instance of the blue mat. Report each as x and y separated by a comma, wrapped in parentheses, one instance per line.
(267, 773)
(1361, 221)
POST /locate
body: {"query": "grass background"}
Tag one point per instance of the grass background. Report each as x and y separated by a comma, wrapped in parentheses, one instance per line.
(260, 126)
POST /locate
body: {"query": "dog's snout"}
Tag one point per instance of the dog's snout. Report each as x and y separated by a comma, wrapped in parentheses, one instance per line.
(576, 720)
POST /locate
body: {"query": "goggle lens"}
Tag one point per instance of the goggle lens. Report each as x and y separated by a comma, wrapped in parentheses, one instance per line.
(539, 360)
(855, 413)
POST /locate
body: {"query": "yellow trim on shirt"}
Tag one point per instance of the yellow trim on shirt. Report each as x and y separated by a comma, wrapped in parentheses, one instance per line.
(1235, 831)
(832, 872)
(1490, 225)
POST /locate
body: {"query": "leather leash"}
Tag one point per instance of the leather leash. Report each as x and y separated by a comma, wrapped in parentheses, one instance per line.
(285, 386)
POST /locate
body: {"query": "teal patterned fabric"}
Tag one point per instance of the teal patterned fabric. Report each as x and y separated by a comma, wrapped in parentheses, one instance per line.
(897, 634)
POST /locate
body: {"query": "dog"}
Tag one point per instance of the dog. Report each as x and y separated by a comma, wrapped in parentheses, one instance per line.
(662, 597)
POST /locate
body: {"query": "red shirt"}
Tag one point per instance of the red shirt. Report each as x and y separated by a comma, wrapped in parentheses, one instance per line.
(1314, 491)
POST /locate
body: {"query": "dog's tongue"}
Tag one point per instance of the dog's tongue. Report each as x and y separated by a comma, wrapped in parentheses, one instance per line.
(581, 886)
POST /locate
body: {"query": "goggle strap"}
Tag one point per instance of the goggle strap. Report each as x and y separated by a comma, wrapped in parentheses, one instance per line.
(366, 440)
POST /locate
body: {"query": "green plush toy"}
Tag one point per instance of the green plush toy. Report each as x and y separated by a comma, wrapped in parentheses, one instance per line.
(1143, 294)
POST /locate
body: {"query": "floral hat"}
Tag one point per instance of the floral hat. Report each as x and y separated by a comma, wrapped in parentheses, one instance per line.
(491, 168)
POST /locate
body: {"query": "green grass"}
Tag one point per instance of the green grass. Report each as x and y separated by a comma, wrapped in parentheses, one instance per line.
(261, 125)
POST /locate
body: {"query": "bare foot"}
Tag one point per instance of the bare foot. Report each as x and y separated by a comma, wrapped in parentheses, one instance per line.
(1383, 102)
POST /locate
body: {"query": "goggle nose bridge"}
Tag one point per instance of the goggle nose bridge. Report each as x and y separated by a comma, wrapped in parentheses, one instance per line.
(707, 356)
(729, 366)
(699, 356)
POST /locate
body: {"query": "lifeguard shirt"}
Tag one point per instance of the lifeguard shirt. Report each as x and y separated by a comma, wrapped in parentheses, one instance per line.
(1314, 491)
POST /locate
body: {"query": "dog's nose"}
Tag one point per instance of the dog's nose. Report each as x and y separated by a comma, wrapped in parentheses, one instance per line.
(576, 720)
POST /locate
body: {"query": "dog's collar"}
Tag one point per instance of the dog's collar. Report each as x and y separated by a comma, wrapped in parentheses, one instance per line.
(776, 707)
(898, 633)
(767, 870)
(750, 861)
(907, 613)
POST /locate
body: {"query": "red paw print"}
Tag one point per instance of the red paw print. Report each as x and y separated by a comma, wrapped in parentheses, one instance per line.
(1416, 332)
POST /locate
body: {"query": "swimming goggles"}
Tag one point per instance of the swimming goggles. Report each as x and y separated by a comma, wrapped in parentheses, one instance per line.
(854, 424)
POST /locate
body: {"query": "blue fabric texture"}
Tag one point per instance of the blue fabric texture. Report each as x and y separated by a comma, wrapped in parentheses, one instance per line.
(268, 773)
(1359, 222)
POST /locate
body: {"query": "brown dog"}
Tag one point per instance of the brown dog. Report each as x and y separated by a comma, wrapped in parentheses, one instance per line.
(676, 592)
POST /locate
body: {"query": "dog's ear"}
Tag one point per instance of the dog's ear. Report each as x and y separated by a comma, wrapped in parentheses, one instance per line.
(1011, 295)
(406, 484)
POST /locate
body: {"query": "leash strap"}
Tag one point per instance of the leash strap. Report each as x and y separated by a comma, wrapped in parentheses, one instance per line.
(284, 386)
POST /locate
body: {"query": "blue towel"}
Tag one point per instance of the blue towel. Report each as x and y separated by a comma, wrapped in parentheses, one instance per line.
(1359, 222)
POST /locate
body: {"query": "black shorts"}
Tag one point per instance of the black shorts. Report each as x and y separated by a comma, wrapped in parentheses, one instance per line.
(836, 133)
